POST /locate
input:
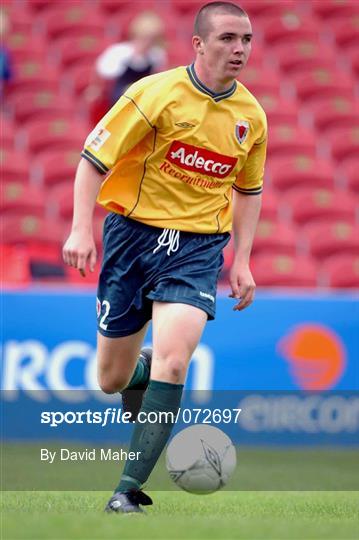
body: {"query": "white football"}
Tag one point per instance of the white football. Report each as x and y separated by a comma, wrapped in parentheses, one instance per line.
(200, 459)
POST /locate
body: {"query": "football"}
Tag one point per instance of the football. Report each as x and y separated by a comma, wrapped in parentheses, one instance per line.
(200, 459)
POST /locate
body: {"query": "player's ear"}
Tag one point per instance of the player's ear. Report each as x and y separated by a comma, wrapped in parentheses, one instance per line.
(197, 43)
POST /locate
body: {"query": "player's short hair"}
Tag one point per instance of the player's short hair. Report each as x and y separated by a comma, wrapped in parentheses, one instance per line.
(202, 24)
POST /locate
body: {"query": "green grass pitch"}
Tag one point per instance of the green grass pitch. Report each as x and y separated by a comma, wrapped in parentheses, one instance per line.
(175, 514)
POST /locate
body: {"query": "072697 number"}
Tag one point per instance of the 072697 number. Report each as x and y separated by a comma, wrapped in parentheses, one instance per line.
(208, 416)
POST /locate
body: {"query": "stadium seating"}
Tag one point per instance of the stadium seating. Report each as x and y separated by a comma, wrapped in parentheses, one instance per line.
(341, 271)
(40, 104)
(56, 167)
(284, 270)
(323, 83)
(25, 47)
(303, 70)
(31, 75)
(7, 133)
(330, 10)
(286, 140)
(310, 204)
(329, 238)
(14, 266)
(303, 55)
(21, 197)
(57, 134)
(70, 50)
(29, 229)
(334, 112)
(289, 28)
(301, 171)
(71, 19)
(270, 205)
(344, 142)
(273, 237)
(15, 165)
(349, 171)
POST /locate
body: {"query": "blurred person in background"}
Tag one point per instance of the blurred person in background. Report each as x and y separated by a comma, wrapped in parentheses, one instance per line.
(6, 70)
(122, 64)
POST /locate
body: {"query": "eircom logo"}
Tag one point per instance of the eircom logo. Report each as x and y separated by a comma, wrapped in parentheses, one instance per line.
(200, 160)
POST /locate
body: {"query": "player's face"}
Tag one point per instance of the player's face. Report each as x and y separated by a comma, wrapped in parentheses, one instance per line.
(226, 49)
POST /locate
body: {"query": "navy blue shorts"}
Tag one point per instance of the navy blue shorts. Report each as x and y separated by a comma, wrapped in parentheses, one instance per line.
(143, 263)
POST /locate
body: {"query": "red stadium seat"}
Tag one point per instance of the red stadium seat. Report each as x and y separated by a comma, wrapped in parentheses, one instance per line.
(307, 204)
(72, 19)
(302, 55)
(344, 142)
(34, 75)
(334, 112)
(300, 171)
(273, 237)
(72, 49)
(14, 165)
(179, 53)
(61, 199)
(332, 9)
(14, 266)
(323, 83)
(350, 171)
(25, 47)
(22, 198)
(259, 78)
(284, 271)
(351, 53)
(286, 141)
(289, 28)
(29, 105)
(8, 133)
(184, 7)
(32, 231)
(57, 134)
(270, 205)
(124, 6)
(278, 110)
(58, 166)
(329, 238)
(270, 8)
(346, 32)
(341, 271)
(79, 77)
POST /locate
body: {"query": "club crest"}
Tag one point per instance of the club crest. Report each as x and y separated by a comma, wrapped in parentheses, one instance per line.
(242, 128)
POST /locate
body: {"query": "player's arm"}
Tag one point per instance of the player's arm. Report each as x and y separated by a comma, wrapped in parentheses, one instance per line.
(79, 249)
(246, 210)
(247, 201)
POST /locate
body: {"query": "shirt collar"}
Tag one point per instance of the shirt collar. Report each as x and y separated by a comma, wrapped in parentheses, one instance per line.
(205, 90)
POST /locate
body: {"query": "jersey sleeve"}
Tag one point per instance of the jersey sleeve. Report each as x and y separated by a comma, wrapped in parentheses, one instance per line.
(250, 179)
(125, 125)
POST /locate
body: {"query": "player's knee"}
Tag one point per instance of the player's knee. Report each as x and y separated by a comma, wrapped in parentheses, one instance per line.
(111, 385)
(175, 370)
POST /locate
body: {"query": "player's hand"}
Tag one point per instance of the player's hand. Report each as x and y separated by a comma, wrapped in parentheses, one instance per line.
(242, 285)
(79, 251)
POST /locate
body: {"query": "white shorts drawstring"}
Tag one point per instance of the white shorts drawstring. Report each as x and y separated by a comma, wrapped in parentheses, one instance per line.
(170, 238)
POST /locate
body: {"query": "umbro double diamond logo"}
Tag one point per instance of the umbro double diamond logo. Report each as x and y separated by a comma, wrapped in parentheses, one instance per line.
(185, 125)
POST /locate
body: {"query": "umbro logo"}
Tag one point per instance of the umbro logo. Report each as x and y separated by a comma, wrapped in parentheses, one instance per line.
(185, 125)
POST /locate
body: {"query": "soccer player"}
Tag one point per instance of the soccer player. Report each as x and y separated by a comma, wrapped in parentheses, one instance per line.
(183, 152)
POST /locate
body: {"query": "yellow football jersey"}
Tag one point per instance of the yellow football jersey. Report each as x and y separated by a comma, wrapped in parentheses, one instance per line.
(173, 151)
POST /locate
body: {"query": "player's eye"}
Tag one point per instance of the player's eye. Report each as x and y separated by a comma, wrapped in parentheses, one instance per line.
(247, 40)
(227, 38)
